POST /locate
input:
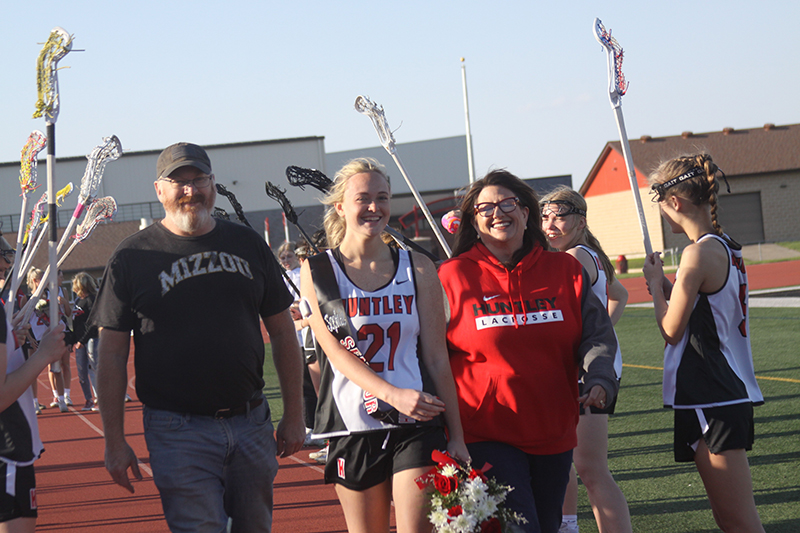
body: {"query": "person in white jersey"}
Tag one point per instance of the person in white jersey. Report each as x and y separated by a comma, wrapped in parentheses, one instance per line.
(383, 403)
(564, 224)
(709, 378)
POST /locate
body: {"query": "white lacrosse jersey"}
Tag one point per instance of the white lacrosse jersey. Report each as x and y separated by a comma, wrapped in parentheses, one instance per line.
(712, 365)
(600, 289)
(385, 324)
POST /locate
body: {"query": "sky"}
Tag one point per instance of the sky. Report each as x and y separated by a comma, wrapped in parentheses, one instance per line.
(211, 72)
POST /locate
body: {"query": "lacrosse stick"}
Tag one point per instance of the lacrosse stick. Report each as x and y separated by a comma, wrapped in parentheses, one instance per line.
(100, 210)
(300, 177)
(237, 207)
(220, 214)
(279, 195)
(375, 112)
(109, 150)
(27, 181)
(40, 223)
(617, 87)
(58, 44)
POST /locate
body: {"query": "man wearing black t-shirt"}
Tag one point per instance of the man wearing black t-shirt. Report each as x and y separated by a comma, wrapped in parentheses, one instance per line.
(192, 289)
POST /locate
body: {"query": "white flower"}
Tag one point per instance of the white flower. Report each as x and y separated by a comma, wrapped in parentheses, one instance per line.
(438, 517)
(449, 470)
(463, 524)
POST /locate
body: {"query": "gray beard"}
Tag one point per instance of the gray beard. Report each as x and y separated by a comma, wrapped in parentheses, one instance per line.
(190, 221)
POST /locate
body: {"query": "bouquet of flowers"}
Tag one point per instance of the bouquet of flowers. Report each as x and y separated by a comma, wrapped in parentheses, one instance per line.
(464, 500)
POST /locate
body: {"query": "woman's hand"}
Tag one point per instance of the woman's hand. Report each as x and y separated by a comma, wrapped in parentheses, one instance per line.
(595, 397)
(52, 346)
(458, 450)
(416, 404)
(653, 271)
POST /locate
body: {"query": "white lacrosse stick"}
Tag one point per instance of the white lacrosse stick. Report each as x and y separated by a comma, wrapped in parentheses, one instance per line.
(27, 181)
(37, 229)
(102, 209)
(42, 221)
(375, 112)
(58, 44)
(99, 210)
(109, 150)
(616, 88)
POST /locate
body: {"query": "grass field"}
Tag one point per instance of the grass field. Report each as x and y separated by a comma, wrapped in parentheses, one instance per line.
(665, 496)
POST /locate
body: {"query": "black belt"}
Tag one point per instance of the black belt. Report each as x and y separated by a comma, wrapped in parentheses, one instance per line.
(242, 409)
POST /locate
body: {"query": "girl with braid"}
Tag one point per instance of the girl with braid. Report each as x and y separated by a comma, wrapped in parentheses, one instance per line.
(564, 224)
(709, 379)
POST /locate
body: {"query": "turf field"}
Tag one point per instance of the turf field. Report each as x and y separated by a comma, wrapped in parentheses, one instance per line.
(665, 496)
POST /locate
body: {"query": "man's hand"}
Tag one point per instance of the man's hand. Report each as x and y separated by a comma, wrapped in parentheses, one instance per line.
(290, 436)
(118, 460)
(595, 397)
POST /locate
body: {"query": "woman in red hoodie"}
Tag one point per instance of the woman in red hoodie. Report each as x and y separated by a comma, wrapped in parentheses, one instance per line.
(522, 321)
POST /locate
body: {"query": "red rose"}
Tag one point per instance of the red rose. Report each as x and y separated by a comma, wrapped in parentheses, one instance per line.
(445, 485)
(456, 510)
(491, 526)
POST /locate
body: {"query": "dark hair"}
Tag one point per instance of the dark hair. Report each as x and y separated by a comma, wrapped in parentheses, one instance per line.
(467, 236)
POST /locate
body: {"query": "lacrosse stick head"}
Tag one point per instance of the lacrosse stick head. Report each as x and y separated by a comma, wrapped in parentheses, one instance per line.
(365, 106)
(58, 44)
(220, 213)
(617, 86)
(279, 195)
(37, 214)
(108, 150)
(300, 177)
(29, 159)
(101, 210)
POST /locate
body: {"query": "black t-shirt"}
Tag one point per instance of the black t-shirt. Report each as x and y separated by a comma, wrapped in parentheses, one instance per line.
(80, 313)
(193, 304)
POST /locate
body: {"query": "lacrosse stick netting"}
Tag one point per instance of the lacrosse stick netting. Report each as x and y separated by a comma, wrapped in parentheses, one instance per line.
(99, 210)
(102, 209)
(108, 150)
(279, 195)
(300, 177)
(617, 86)
(375, 112)
(29, 158)
(58, 44)
(237, 207)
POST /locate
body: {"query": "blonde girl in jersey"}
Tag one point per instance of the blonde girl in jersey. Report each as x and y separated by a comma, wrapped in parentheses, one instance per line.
(375, 465)
(564, 224)
(709, 379)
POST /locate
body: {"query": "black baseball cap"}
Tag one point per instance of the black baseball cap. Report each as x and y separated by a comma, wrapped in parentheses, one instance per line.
(182, 155)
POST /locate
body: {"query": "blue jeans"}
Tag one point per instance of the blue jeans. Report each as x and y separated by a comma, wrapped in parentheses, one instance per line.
(208, 469)
(87, 363)
(539, 482)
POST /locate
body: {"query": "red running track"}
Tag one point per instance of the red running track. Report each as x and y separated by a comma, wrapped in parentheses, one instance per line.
(75, 493)
(762, 276)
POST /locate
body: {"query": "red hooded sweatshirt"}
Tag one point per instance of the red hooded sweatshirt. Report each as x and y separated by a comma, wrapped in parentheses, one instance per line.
(516, 340)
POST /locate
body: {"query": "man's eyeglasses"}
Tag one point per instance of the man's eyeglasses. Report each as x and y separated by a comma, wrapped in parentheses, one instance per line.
(199, 183)
(506, 205)
(560, 209)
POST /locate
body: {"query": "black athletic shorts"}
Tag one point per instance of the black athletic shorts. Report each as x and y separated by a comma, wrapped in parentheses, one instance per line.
(363, 460)
(725, 428)
(23, 504)
(608, 410)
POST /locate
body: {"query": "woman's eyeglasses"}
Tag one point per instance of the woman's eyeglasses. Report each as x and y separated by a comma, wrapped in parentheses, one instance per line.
(506, 205)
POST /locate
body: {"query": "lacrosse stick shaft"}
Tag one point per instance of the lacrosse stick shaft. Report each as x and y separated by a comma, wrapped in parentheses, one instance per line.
(31, 249)
(422, 206)
(15, 276)
(407, 243)
(52, 209)
(637, 199)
